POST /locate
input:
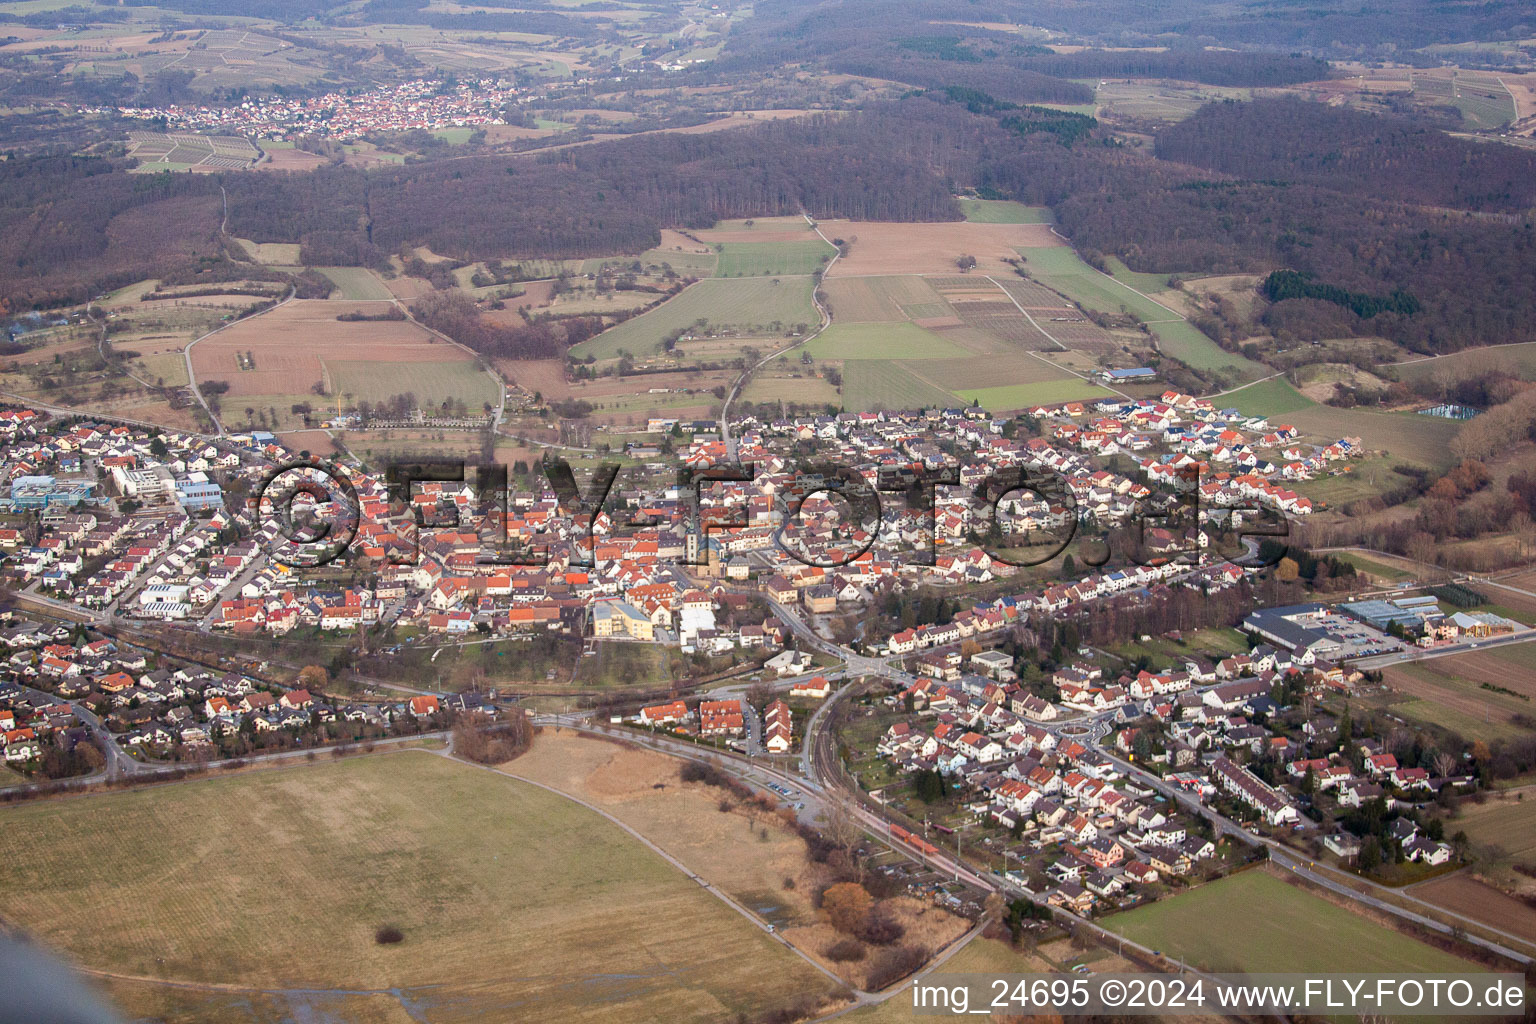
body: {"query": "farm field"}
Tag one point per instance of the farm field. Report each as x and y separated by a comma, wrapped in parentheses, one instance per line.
(1141, 281)
(1519, 359)
(355, 283)
(759, 259)
(493, 882)
(752, 306)
(1019, 396)
(984, 371)
(1419, 439)
(1464, 894)
(1503, 833)
(1449, 692)
(1269, 398)
(1062, 269)
(882, 341)
(1159, 101)
(1186, 343)
(1484, 103)
(685, 262)
(431, 383)
(1198, 927)
(772, 384)
(1003, 211)
(685, 820)
(870, 384)
(883, 247)
(274, 253)
(883, 299)
(1380, 570)
(292, 348)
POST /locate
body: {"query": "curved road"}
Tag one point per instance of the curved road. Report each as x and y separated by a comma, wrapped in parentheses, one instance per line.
(746, 375)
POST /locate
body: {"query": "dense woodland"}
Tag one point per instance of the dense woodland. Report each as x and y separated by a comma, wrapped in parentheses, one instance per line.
(455, 314)
(1381, 28)
(1376, 156)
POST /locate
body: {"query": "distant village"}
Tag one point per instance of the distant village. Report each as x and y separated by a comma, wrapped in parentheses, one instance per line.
(420, 104)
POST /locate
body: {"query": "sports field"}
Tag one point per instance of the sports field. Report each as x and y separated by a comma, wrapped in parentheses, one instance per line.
(757, 259)
(1255, 922)
(761, 307)
(514, 902)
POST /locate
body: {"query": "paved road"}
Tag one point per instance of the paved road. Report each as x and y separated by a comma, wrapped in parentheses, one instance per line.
(820, 765)
(1284, 857)
(186, 354)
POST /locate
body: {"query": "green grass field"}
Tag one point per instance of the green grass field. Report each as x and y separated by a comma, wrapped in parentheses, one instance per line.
(1003, 211)
(1378, 569)
(1483, 102)
(1061, 268)
(272, 253)
(1420, 439)
(1188, 344)
(1254, 922)
(432, 383)
(1471, 726)
(356, 283)
(170, 367)
(882, 384)
(1268, 398)
(1009, 397)
(1506, 827)
(764, 387)
(760, 259)
(752, 305)
(514, 902)
(1142, 282)
(882, 341)
(1521, 655)
(687, 264)
(1519, 360)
